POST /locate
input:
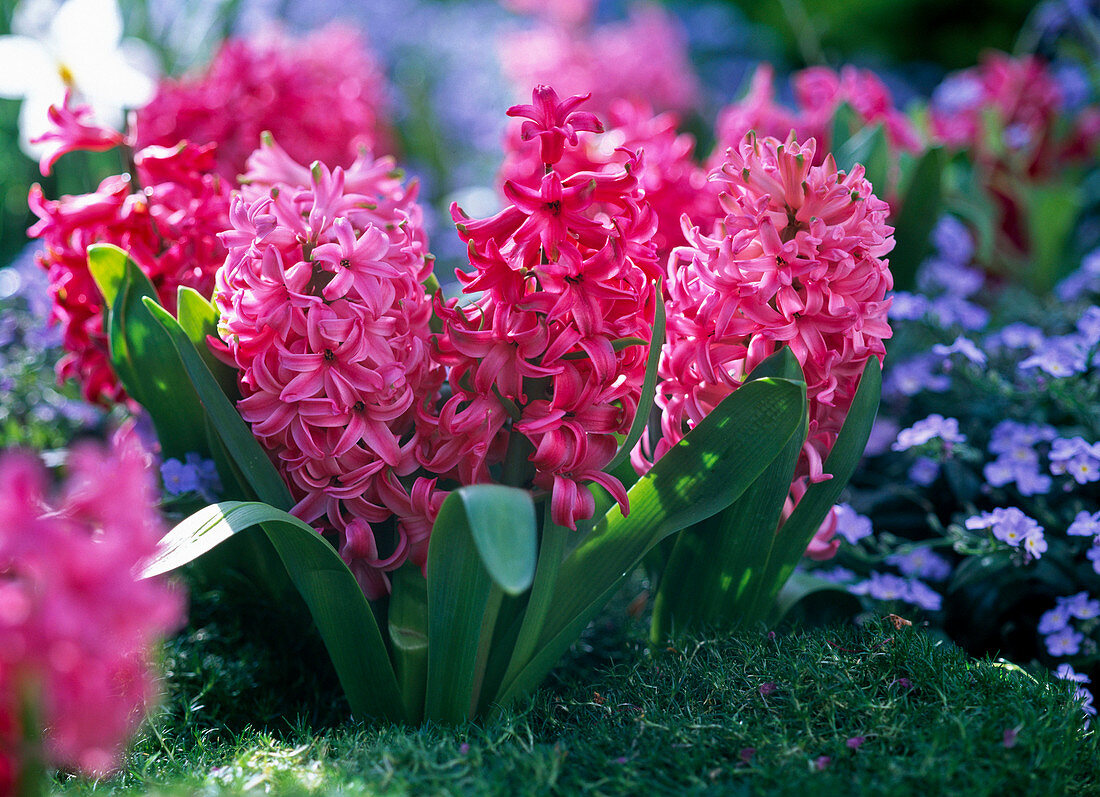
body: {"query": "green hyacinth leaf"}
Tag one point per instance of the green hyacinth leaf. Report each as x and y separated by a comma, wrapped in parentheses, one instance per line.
(483, 546)
(199, 319)
(649, 388)
(336, 604)
(701, 475)
(241, 446)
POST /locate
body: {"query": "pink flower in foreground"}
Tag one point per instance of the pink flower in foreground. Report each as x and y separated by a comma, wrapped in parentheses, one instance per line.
(544, 367)
(168, 222)
(77, 630)
(322, 97)
(324, 311)
(673, 183)
(797, 261)
(644, 58)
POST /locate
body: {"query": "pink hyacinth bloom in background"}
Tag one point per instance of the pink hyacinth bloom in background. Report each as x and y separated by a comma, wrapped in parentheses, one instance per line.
(819, 92)
(673, 182)
(565, 272)
(643, 58)
(1010, 114)
(324, 311)
(796, 261)
(168, 220)
(322, 97)
(77, 629)
(72, 128)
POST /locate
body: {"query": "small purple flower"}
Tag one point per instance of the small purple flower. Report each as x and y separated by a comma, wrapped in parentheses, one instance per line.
(963, 346)
(766, 689)
(950, 311)
(928, 429)
(179, 478)
(883, 432)
(822, 762)
(1081, 606)
(908, 306)
(746, 755)
(1085, 525)
(920, 594)
(1065, 642)
(1066, 673)
(837, 575)
(1059, 357)
(1017, 136)
(1054, 619)
(918, 373)
(855, 742)
(922, 563)
(882, 587)
(1093, 555)
(953, 240)
(1089, 325)
(1011, 526)
(1085, 279)
(1016, 336)
(1075, 457)
(923, 471)
(957, 93)
(851, 525)
(1010, 737)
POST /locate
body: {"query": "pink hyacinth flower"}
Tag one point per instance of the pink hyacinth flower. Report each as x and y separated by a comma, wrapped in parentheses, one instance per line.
(324, 313)
(77, 630)
(797, 261)
(564, 271)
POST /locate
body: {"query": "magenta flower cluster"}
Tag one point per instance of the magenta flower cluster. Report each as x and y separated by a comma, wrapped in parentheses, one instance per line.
(77, 630)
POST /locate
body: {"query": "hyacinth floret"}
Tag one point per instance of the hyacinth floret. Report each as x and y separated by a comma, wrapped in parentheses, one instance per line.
(324, 312)
(78, 632)
(554, 122)
(797, 261)
(547, 362)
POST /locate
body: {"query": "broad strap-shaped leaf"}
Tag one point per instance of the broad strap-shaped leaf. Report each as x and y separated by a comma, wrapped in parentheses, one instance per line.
(795, 534)
(649, 387)
(844, 123)
(716, 567)
(483, 545)
(704, 473)
(241, 446)
(337, 604)
(1052, 210)
(801, 586)
(141, 353)
(408, 629)
(199, 319)
(922, 202)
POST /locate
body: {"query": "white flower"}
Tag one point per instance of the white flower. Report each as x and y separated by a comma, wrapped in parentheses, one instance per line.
(75, 45)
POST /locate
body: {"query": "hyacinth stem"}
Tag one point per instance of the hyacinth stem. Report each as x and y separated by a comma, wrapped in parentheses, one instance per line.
(31, 777)
(518, 470)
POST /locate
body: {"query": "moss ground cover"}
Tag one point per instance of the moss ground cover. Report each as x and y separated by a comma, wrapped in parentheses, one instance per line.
(836, 710)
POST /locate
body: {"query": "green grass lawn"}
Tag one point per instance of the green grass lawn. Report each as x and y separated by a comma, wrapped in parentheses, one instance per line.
(840, 710)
